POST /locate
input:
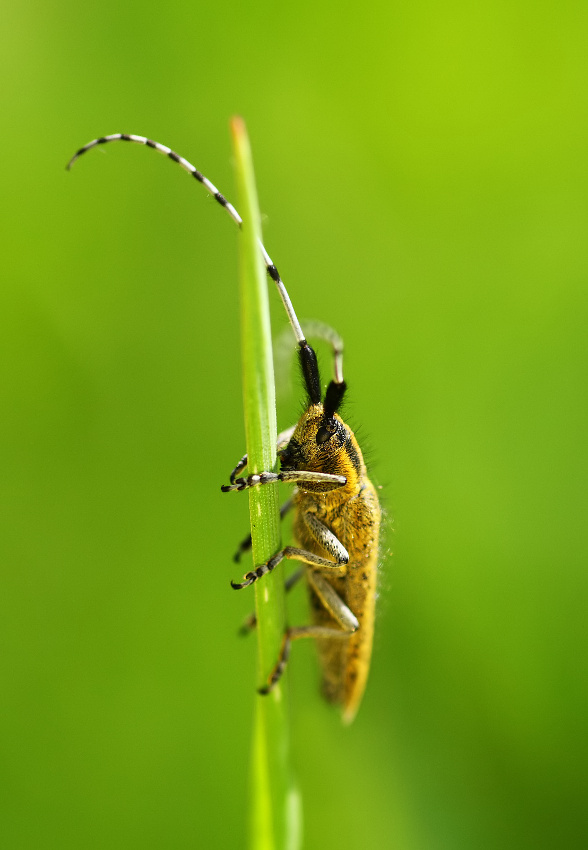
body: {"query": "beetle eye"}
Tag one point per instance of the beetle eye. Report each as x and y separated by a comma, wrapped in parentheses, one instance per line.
(326, 431)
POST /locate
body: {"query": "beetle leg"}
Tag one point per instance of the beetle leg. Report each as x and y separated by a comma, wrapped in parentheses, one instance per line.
(238, 469)
(337, 609)
(330, 544)
(325, 538)
(296, 554)
(284, 437)
(333, 603)
(283, 440)
(295, 476)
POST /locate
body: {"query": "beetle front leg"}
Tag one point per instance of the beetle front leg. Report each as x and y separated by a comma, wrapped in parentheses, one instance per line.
(296, 476)
(283, 439)
(238, 469)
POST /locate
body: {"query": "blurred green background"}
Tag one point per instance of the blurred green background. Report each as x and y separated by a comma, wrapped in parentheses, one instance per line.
(423, 172)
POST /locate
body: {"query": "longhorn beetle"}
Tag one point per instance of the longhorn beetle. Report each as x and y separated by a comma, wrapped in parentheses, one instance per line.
(337, 519)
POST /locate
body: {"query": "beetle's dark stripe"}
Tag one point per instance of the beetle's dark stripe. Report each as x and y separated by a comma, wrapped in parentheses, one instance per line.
(352, 454)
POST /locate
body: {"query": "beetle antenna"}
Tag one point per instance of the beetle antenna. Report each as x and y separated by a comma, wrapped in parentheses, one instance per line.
(337, 387)
(308, 361)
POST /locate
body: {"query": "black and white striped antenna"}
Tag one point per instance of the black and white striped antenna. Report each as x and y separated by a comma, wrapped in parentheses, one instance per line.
(308, 361)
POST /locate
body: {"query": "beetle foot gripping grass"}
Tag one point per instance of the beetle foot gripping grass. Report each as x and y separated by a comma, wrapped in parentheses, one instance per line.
(337, 513)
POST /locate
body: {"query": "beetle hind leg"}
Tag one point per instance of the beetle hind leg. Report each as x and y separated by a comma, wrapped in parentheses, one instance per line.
(295, 634)
(345, 618)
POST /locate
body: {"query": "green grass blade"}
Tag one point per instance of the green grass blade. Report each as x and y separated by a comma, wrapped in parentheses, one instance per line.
(275, 819)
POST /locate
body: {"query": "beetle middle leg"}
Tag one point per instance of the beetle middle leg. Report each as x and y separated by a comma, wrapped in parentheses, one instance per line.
(343, 616)
(291, 553)
(323, 535)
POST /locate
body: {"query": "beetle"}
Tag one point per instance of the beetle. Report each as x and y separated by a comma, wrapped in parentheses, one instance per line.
(337, 511)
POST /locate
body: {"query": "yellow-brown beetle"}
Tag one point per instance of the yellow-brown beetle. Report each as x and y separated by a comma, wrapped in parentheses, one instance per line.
(337, 520)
